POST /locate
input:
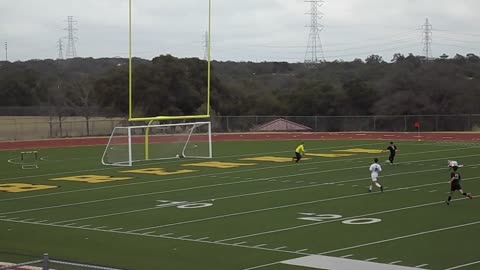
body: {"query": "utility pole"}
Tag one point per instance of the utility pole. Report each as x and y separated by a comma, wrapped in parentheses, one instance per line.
(427, 40)
(71, 49)
(6, 51)
(314, 53)
(60, 48)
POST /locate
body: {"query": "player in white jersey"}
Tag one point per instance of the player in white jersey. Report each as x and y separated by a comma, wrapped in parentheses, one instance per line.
(453, 163)
(375, 168)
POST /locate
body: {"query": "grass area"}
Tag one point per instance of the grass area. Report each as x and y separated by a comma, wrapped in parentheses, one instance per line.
(252, 214)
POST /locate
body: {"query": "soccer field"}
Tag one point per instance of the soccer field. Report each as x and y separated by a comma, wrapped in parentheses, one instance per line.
(250, 207)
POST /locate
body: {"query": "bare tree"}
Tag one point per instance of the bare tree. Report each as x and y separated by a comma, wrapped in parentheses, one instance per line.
(57, 101)
(80, 99)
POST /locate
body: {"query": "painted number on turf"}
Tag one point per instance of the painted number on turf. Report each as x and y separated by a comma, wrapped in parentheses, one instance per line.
(361, 221)
(183, 205)
(321, 217)
(325, 217)
(23, 187)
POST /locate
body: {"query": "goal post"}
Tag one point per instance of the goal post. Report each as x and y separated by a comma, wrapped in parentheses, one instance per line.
(127, 145)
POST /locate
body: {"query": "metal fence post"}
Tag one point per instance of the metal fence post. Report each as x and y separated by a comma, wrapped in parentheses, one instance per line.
(45, 262)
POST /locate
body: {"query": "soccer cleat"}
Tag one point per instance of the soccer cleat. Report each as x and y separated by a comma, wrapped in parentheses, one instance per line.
(447, 202)
(381, 188)
(469, 195)
(369, 190)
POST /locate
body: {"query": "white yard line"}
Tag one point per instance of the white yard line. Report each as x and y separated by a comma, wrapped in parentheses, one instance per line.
(207, 186)
(395, 262)
(283, 206)
(345, 218)
(308, 169)
(259, 247)
(261, 266)
(371, 259)
(204, 175)
(403, 237)
(463, 265)
(346, 256)
(164, 162)
(421, 265)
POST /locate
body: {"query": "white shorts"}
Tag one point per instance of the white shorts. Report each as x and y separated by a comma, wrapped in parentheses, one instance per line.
(374, 179)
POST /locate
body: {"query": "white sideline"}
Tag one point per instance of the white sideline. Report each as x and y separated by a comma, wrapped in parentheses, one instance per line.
(258, 246)
(463, 265)
(403, 237)
(206, 175)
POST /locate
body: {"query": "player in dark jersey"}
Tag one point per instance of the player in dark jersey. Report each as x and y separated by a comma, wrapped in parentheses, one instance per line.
(393, 150)
(455, 179)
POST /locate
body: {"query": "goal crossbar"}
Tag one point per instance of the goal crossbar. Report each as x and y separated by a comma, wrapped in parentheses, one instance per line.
(155, 142)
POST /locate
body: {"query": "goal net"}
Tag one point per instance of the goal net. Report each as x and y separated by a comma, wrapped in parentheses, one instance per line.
(156, 142)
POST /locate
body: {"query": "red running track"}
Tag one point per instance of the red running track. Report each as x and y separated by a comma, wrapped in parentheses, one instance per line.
(427, 136)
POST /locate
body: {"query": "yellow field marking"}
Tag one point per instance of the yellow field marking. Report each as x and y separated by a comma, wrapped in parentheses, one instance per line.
(360, 150)
(271, 159)
(158, 171)
(219, 165)
(330, 155)
(23, 187)
(91, 179)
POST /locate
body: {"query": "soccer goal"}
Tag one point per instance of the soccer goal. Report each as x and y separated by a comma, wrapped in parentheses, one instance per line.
(156, 142)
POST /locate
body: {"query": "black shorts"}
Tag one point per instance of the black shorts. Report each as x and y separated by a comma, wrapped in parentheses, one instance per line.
(298, 155)
(455, 187)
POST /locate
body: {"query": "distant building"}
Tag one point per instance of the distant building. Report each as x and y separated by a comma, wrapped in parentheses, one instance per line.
(281, 125)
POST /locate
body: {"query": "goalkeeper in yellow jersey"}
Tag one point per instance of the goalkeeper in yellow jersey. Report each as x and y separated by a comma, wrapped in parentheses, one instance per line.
(299, 152)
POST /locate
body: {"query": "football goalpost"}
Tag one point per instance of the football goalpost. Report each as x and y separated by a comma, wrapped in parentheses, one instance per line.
(160, 141)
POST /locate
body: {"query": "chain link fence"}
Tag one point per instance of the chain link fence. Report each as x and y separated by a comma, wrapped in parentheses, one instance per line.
(393, 123)
(44, 127)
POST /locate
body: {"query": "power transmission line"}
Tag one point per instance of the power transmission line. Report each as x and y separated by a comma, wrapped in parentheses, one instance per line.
(205, 46)
(60, 48)
(71, 49)
(6, 51)
(314, 53)
(427, 39)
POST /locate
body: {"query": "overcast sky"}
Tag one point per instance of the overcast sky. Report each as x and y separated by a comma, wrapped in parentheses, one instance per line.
(242, 30)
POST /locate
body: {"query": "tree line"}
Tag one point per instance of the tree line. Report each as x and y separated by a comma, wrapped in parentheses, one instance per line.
(167, 85)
